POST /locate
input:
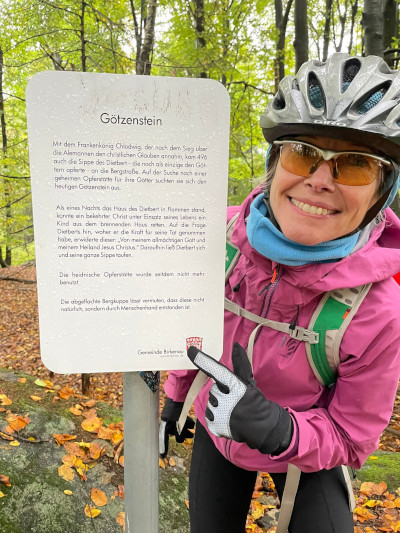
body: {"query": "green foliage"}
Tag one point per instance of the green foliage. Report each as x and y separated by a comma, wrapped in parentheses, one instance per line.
(232, 41)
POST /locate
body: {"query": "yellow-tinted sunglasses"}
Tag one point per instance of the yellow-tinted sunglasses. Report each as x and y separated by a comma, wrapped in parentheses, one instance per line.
(348, 167)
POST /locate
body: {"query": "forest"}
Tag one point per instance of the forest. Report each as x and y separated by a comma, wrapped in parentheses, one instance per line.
(247, 45)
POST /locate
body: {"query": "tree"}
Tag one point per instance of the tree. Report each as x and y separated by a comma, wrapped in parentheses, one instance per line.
(144, 34)
(372, 22)
(281, 21)
(301, 32)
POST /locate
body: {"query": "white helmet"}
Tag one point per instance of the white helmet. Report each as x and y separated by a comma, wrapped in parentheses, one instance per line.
(347, 97)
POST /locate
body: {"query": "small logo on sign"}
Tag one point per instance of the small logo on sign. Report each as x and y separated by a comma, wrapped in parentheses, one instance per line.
(197, 342)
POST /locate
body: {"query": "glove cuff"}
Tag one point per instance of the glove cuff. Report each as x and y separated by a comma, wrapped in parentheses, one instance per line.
(280, 438)
(171, 410)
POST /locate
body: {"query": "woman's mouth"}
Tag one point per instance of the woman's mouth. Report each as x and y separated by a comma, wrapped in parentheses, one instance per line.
(312, 209)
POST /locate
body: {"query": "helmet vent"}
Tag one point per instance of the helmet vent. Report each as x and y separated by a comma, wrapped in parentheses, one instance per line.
(373, 98)
(279, 101)
(315, 92)
(350, 71)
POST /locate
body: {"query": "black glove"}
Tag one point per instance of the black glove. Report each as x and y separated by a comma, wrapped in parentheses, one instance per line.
(238, 410)
(169, 417)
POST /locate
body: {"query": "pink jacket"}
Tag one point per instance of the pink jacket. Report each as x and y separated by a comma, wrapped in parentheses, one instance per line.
(332, 427)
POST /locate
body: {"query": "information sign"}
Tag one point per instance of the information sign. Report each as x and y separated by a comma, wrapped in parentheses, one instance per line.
(129, 185)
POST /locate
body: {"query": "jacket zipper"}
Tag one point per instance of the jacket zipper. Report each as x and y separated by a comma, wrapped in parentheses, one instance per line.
(269, 293)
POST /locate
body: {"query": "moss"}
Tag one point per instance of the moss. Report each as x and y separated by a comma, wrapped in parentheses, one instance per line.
(385, 468)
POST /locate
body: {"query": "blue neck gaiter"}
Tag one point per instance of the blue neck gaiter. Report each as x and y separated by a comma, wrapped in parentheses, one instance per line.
(272, 243)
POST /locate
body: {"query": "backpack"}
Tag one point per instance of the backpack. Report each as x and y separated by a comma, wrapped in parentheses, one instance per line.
(322, 341)
(327, 325)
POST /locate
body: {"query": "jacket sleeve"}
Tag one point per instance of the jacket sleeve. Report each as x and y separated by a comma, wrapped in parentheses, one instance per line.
(178, 384)
(360, 407)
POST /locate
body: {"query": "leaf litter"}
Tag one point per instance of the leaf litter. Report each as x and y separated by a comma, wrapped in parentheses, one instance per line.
(377, 509)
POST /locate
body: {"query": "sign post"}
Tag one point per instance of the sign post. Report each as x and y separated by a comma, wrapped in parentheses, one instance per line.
(129, 182)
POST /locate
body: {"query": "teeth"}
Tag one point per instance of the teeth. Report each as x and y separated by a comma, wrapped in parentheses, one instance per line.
(312, 209)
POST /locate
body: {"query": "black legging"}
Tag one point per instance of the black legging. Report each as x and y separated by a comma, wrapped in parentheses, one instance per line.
(220, 495)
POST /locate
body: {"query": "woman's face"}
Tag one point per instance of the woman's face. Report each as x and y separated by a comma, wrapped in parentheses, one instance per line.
(343, 206)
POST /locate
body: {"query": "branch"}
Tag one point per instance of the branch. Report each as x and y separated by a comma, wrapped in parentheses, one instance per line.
(28, 281)
(15, 201)
(58, 7)
(21, 230)
(13, 96)
(251, 86)
(15, 177)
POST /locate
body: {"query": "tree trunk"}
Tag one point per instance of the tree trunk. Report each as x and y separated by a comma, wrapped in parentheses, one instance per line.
(82, 36)
(199, 28)
(148, 41)
(354, 9)
(372, 21)
(390, 29)
(301, 32)
(4, 261)
(144, 45)
(281, 24)
(327, 29)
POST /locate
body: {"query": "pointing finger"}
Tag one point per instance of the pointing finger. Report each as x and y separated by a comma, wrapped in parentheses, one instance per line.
(223, 377)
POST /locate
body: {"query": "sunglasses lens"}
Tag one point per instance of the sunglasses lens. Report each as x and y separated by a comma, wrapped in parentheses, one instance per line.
(298, 158)
(357, 169)
(351, 169)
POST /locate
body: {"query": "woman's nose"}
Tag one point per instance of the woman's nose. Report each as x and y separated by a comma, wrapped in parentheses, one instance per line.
(323, 177)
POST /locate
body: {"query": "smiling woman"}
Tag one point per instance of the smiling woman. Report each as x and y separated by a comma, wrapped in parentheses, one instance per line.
(319, 223)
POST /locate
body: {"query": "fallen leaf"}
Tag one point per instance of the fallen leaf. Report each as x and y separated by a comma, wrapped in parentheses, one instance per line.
(172, 461)
(363, 514)
(36, 398)
(121, 460)
(89, 403)
(5, 437)
(96, 450)
(187, 503)
(74, 449)
(40, 383)
(91, 512)
(76, 410)
(17, 422)
(22, 380)
(92, 424)
(257, 510)
(68, 492)
(2, 494)
(98, 497)
(62, 438)
(69, 460)
(121, 519)
(14, 443)
(5, 480)
(66, 472)
(372, 503)
(368, 488)
(66, 392)
(5, 400)
(161, 463)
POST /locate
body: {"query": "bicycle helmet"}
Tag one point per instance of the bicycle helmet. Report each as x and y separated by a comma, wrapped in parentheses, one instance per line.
(347, 97)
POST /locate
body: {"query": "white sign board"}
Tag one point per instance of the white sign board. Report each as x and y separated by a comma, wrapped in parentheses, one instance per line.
(129, 185)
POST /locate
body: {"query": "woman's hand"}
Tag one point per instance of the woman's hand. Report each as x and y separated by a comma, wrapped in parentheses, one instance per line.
(238, 410)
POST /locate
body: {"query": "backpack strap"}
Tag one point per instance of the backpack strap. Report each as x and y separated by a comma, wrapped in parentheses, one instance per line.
(330, 320)
(232, 252)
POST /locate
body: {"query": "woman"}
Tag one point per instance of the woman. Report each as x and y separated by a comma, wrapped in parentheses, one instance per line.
(320, 222)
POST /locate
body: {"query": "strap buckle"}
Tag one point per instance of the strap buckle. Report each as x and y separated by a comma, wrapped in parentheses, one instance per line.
(306, 335)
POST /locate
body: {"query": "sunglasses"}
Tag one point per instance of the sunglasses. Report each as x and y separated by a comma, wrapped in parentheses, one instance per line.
(348, 168)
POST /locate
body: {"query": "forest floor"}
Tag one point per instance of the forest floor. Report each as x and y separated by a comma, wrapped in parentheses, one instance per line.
(378, 508)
